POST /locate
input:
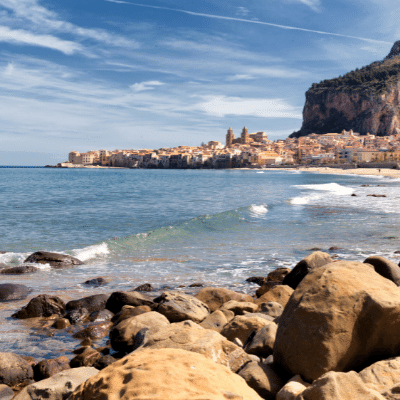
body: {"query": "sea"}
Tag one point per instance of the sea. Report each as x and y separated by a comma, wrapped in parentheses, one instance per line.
(173, 228)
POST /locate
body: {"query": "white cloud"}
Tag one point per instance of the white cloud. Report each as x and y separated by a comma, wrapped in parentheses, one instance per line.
(264, 108)
(142, 86)
(242, 11)
(240, 77)
(21, 36)
(313, 4)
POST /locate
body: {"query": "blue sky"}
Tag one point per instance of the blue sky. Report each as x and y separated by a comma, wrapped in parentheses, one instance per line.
(94, 74)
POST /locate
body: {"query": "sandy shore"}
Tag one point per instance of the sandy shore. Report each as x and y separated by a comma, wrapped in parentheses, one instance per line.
(391, 173)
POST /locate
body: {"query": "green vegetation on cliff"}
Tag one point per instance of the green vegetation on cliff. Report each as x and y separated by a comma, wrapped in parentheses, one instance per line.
(375, 78)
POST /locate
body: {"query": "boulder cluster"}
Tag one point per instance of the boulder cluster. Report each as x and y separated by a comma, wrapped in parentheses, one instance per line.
(325, 330)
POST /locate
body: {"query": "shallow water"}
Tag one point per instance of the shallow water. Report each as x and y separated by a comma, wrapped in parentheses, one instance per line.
(177, 227)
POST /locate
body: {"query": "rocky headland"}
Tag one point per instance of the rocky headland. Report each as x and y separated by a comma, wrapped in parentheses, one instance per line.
(324, 330)
(365, 100)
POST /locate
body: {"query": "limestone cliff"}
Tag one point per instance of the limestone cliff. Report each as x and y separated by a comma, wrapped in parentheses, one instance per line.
(365, 100)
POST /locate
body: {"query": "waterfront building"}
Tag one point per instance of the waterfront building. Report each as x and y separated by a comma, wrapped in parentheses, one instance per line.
(230, 137)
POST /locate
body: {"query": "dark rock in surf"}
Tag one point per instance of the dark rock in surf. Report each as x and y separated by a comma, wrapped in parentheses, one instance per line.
(78, 316)
(119, 299)
(259, 280)
(11, 291)
(56, 260)
(146, 287)
(22, 269)
(93, 303)
(41, 306)
(96, 282)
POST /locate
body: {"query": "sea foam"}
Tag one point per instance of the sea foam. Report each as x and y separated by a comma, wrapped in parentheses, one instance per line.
(333, 187)
(258, 210)
(90, 252)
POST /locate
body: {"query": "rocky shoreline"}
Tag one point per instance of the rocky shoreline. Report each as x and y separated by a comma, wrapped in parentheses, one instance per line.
(325, 330)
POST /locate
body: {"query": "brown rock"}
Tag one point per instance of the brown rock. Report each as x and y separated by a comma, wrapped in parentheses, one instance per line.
(86, 359)
(104, 362)
(279, 294)
(13, 291)
(178, 306)
(262, 344)
(129, 311)
(96, 282)
(339, 386)
(41, 306)
(189, 336)
(54, 259)
(388, 269)
(181, 375)
(119, 299)
(312, 261)
(271, 308)
(392, 393)
(14, 369)
(278, 275)
(122, 336)
(262, 378)
(93, 303)
(94, 331)
(6, 393)
(239, 307)
(217, 320)
(20, 270)
(61, 323)
(266, 287)
(216, 297)
(292, 388)
(259, 280)
(47, 368)
(241, 327)
(339, 318)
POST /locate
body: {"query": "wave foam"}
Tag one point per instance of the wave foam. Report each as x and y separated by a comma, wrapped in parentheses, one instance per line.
(259, 210)
(333, 187)
(15, 258)
(91, 251)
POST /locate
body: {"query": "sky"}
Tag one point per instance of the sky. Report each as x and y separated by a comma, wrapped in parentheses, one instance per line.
(115, 74)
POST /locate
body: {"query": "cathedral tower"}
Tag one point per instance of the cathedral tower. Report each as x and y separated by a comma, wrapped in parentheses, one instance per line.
(229, 137)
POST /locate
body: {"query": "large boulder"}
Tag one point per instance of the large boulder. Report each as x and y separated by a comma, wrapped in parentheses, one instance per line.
(59, 386)
(339, 386)
(189, 336)
(240, 307)
(262, 344)
(119, 299)
(122, 336)
(14, 369)
(266, 287)
(342, 316)
(217, 320)
(388, 269)
(278, 294)
(41, 306)
(93, 303)
(312, 261)
(242, 326)
(262, 378)
(12, 291)
(216, 297)
(56, 260)
(178, 306)
(165, 374)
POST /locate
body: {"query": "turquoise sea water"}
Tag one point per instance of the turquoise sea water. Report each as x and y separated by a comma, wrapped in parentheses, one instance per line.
(177, 227)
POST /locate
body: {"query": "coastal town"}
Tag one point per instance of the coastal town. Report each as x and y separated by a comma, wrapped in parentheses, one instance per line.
(251, 150)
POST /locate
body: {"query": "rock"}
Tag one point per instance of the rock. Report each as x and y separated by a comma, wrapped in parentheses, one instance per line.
(241, 327)
(104, 361)
(191, 337)
(382, 374)
(119, 299)
(260, 315)
(14, 369)
(388, 269)
(334, 248)
(339, 386)
(93, 303)
(85, 359)
(392, 393)
(292, 388)
(217, 320)
(178, 306)
(262, 378)
(180, 375)
(259, 280)
(196, 284)
(271, 308)
(78, 316)
(59, 386)
(216, 297)
(12, 291)
(47, 368)
(239, 307)
(147, 287)
(6, 393)
(266, 287)
(94, 331)
(376, 195)
(262, 344)
(279, 294)
(101, 316)
(41, 306)
(22, 269)
(314, 260)
(278, 275)
(343, 315)
(96, 282)
(129, 311)
(54, 259)
(122, 336)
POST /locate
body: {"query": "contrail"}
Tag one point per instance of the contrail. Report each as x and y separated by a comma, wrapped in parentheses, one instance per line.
(250, 21)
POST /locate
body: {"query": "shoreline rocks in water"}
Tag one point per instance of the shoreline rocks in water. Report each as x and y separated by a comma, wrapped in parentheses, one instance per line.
(325, 330)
